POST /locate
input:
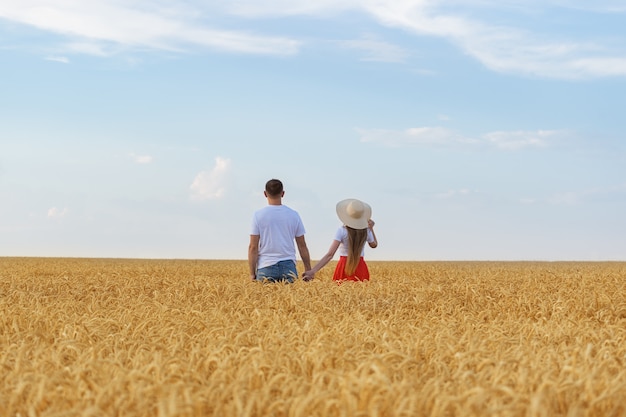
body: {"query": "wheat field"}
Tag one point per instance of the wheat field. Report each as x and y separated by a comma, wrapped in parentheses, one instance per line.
(112, 337)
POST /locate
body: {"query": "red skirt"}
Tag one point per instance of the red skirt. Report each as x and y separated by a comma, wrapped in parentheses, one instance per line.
(361, 273)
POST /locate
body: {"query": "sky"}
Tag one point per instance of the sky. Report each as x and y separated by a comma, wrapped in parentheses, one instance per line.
(476, 129)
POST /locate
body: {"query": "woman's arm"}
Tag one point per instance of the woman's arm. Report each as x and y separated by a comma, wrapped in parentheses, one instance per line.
(370, 224)
(308, 275)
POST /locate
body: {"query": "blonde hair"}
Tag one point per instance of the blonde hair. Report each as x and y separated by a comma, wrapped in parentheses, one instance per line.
(356, 242)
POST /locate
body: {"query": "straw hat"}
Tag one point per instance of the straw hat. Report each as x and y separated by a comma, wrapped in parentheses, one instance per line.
(354, 213)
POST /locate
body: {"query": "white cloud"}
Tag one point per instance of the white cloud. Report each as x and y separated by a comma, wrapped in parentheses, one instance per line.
(276, 8)
(102, 27)
(210, 185)
(580, 196)
(56, 213)
(91, 47)
(504, 48)
(569, 198)
(440, 136)
(601, 66)
(141, 159)
(106, 27)
(432, 136)
(376, 49)
(60, 59)
(499, 47)
(513, 51)
(519, 139)
(598, 6)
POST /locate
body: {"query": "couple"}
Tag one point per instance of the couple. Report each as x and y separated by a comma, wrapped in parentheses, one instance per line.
(272, 254)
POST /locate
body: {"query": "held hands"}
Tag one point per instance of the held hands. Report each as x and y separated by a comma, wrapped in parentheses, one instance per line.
(309, 275)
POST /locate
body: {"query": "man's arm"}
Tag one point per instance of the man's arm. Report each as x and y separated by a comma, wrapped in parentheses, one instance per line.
(304, 252)
(253, 255)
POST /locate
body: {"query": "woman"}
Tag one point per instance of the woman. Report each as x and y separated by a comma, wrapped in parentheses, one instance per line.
(350, 239)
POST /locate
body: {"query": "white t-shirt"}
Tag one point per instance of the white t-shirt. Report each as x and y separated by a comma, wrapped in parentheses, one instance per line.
(342, 236)
(277, 226)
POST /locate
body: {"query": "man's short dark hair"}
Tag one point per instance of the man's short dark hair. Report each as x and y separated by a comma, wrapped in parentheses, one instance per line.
(274, 188)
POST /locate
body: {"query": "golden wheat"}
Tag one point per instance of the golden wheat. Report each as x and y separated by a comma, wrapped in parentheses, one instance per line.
(98, 337)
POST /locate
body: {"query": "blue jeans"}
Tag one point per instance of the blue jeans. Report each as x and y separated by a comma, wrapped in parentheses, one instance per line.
(279, 272)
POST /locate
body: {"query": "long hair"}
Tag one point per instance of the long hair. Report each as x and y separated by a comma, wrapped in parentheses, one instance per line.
(356, 242)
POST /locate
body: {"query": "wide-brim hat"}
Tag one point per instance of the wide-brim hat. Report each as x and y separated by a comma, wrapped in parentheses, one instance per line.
(354, 213)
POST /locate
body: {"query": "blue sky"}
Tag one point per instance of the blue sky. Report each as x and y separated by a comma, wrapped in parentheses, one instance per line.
(476, 130)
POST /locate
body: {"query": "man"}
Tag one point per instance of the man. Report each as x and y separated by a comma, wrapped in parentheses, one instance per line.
(272, 253)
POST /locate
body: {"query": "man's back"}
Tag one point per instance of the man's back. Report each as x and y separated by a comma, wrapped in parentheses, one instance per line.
(277, 226)
(271, 252)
